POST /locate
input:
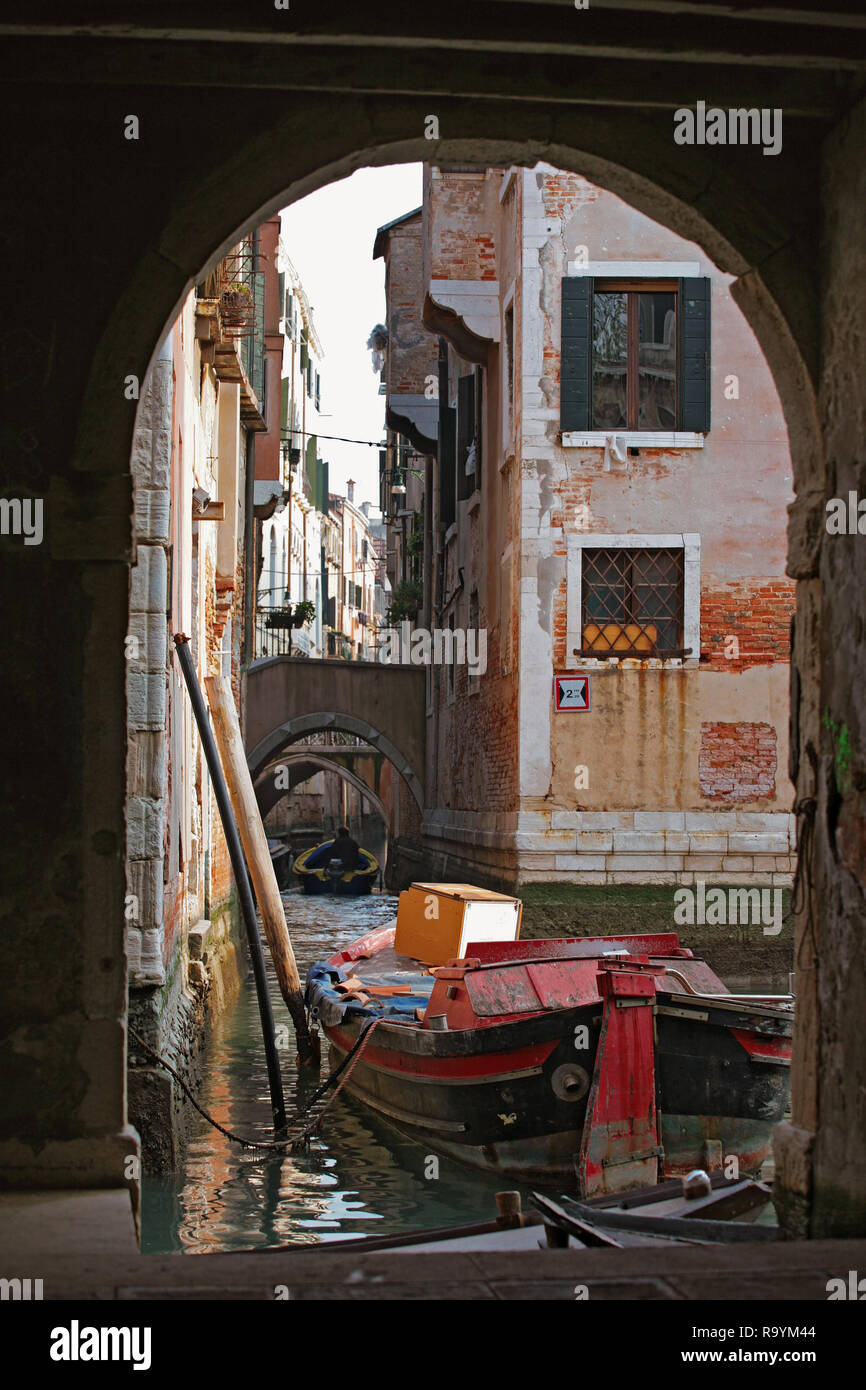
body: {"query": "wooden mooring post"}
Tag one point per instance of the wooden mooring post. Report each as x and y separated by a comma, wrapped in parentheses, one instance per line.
(227, 732)
(236, 855)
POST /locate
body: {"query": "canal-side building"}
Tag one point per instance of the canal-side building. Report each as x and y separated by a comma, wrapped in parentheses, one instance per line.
(204, 402)
(292, 484)
(609, 507)
(355, 600)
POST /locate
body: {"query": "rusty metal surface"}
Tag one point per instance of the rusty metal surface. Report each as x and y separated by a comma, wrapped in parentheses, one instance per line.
(620, 1142)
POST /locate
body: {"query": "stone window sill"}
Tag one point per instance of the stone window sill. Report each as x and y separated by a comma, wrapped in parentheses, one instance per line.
(634, 439)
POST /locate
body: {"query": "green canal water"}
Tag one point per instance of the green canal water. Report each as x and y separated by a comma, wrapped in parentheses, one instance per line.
(361, 1177)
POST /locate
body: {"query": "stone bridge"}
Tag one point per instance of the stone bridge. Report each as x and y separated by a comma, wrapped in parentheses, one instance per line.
(287, 698)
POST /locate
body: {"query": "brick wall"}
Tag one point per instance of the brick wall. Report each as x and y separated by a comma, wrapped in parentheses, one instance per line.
(477, 751)
(412, 351)
(737, 762)
(462, 232)
(757, 612)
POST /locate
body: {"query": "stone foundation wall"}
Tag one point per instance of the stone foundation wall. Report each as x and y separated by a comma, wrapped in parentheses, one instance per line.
(610, 847)
(175, 1020)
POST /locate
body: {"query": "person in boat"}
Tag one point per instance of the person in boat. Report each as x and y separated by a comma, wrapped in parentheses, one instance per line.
(343, 848)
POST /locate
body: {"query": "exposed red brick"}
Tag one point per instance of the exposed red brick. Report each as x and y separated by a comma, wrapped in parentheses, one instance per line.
(737, 762)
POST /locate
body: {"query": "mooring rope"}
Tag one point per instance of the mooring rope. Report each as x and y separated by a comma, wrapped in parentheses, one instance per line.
(296, 1140)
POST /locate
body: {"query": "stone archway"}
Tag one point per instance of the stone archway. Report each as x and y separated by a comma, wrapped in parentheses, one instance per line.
(192, 191)
(291, 729)
(306, 764)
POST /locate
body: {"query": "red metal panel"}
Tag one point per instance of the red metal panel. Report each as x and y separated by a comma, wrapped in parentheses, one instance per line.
(566, 984)
(505, 991)
(760, 1046)
(578, 947)
(620, 1145)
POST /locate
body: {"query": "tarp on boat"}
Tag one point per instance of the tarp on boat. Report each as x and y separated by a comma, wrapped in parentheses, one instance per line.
(330, 1007)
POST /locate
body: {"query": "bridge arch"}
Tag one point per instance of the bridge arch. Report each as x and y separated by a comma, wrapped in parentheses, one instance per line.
(381, 704)
(307, 764)
(291, 729)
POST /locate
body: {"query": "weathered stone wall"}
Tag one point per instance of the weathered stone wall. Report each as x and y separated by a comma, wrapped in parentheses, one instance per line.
(182, 918)
(821, 1156)
(470, 245)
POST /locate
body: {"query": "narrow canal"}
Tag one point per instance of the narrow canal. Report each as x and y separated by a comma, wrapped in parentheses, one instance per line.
(360, 1177)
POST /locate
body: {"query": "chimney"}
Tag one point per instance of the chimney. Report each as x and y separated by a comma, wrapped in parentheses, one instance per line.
(350, 489)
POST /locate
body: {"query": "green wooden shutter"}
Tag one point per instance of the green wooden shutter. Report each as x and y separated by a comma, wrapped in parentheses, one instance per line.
(284, 406)
(465, 433)
(694, 354)
(576, 366)
(447, 464)
(324, 471)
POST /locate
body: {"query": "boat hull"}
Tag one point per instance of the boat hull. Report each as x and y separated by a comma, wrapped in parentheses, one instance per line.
(606, 1063)
(317, 878)
(513, 1098)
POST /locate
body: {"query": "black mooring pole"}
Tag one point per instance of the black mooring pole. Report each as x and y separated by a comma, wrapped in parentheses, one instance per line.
(239, 868)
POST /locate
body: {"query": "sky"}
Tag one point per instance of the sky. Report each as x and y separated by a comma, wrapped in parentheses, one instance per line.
(329, 237)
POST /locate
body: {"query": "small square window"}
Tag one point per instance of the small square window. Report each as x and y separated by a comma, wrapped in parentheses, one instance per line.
(632, 603)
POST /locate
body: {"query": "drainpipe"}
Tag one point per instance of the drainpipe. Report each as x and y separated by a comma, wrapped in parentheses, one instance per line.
(437, 570)
(249, 546)
(428, 542)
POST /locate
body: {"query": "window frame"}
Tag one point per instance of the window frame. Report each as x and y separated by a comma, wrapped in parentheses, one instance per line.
(695, 337)
(577, 542)
(632, 287)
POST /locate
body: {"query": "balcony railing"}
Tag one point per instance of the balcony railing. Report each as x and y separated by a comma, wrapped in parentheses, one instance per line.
(238, 286)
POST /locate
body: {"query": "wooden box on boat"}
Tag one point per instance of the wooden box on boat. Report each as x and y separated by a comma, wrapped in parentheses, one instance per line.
(438, 922)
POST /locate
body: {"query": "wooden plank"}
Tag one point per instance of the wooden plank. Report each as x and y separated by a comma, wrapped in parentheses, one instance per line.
(680, 1227)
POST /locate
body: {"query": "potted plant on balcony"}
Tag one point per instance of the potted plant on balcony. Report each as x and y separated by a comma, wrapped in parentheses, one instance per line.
(236, 305)
(305, 612)
(279, 619)
(406, 599)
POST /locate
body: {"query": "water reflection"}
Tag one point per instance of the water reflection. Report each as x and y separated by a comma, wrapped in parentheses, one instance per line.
(360, 1177)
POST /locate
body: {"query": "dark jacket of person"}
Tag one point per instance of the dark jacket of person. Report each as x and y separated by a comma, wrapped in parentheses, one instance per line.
(345, 849)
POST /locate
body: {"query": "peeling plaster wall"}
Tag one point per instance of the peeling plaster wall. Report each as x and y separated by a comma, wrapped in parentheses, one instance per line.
(471, 243)
(640, 743)
(178, 874)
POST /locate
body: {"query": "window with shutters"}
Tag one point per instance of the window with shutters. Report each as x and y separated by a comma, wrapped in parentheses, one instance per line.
(447, 445)
(635, 355)
(634, 358)
(508, 376)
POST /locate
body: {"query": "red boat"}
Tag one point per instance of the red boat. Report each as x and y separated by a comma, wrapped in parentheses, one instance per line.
(603, 1062)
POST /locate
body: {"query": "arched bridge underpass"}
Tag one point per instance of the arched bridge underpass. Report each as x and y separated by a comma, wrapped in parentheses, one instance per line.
(286, 698)
(298, 768)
